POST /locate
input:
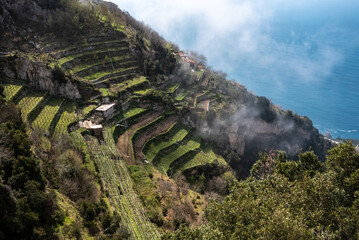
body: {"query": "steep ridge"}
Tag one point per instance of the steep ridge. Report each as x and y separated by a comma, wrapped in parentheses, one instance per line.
(172, 120)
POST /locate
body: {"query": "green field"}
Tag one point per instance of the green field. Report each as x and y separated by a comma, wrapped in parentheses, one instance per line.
(10, 90)
(131, 83)
(29, 102)
(164, 161)
(173, 88)
(68, 116)
(47, 114)
(64, 60)
(118, 183)
(86, 110)
(153, 147)
(142, 92)
(107, 59)
(180, 96)
(98, 75)
(133, 111)
(201, 158)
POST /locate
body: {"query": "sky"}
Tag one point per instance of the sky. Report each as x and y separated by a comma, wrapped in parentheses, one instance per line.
(243, 32)
(286, 50)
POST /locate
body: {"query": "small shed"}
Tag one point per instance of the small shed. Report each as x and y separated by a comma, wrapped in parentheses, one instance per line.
(94, 129)
(106, 110)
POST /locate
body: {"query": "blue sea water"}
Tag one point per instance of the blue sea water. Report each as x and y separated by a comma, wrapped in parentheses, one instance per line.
(310, 53)
(332, 101)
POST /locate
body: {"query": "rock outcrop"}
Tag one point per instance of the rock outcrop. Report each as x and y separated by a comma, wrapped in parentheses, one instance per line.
(40, 76)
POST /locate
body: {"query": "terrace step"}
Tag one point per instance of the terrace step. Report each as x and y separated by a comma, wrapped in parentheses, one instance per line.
(73, 50)
(151, 133)
(51, 46)
(47, 116)
(123, 63)
(91, 57)
(164, 141)
(116, 74)
(30, 103)
(124, 143)
(167, 156)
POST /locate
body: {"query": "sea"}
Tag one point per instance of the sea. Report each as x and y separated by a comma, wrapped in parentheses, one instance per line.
(332, 100)
(308, 62)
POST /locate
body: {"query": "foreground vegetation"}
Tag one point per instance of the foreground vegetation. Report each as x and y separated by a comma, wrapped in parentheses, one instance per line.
(283, 199)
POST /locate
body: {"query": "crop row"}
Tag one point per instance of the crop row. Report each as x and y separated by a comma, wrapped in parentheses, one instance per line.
(131, 83)
(163, 161)
(117, 182)
(68, 116)
(29, 102)
(10, 90)
(101, 74)
(47, 114)
(107, 59)
(66, 59)
(153, 147)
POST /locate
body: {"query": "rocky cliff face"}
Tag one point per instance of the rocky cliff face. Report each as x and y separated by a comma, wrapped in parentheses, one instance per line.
(11, 10)
(247, 134)
(39, 76)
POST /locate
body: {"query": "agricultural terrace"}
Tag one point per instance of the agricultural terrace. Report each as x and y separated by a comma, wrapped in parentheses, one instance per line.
(99, 75)
(29, 102)
(151, 133)
(47, 114)
(124, 143)
(131, 83)
(173, 135)
(173, 88)
(86, 110)
(164, 159)
(118, 183)
(10, 90)
(142, 92)
(129, 113)
(68, 116)
(180, 96)
(85, 66)
(202, 158)
(67, 59)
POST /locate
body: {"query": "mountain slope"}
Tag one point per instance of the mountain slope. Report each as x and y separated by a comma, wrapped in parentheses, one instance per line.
(183, 132)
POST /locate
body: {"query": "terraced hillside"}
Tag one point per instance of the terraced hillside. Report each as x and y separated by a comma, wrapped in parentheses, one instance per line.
(117, 182)
(44, 112)
(97, 59)
(125, 144)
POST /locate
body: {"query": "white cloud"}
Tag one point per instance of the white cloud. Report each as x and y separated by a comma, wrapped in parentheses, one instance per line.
(240, 31)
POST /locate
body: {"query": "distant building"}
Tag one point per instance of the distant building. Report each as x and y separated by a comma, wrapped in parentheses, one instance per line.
(94, 129)
(106, 110)
(190, 62)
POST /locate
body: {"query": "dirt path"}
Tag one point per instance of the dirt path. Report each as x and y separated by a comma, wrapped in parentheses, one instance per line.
(151, 133)
(124, 143)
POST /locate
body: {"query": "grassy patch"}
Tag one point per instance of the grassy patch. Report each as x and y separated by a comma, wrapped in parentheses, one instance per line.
(29, 102)
(86, 110)
(130, 83)
(133, 111)
(153, 147)
(173, 88)
(180, 96)
(64, 60)
(164, 161)
(47, 114)
(68, 116)
(10, 90)
(105, 60)
(142, 92)
(104, 73)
